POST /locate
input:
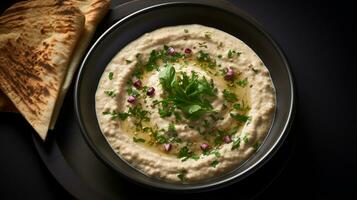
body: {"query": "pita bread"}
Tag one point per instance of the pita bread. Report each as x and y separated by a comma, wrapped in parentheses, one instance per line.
(37, 39)
(94, 11)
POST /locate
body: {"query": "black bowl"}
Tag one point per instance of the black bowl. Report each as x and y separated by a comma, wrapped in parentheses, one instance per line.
(232, 21)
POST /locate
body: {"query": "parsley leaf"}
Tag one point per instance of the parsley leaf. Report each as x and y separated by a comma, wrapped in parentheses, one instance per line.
(229, 96)
(135, 139)
(117, 115)
(243, 82)
(110, 75)
(237, 106)
(182, 175)
(236, 144)
(167, 77)
(185, 153)
(239, 117)
(256, 145)
(214, 163)
(187, 93)
(110, 93)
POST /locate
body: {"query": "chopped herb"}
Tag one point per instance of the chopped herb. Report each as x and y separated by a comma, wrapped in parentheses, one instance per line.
(185, 153)
(117, 115)
(236, 144)
(237, 106)
(122, 116)
(214, 163)
(219, 56)
(152, 62)
(138, 140)
(132, 92)
(175, 140)
(110, 93)
(243, 82)
(211, 152)
(203, 57)
(182, 175)
(229, 96)
(128, 61)
(203, 44)
(161, 139)
(185, 30)
(165, 112)
(230, 54)
(110, 75)
(208, 35)
(256, 71)
(233, 53)
(245, 138)
(239, 117)
(256, 145)
(139, 115)
(233, 130)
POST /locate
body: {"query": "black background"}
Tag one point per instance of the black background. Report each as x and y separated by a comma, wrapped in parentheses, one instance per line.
(318, 37)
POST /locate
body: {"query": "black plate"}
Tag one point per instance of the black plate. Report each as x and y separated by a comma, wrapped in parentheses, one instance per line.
(131, 27)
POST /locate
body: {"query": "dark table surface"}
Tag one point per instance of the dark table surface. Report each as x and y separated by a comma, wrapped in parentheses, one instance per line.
(318, 38)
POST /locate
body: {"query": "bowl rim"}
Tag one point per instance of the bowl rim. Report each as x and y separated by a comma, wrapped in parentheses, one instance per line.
(221, 183)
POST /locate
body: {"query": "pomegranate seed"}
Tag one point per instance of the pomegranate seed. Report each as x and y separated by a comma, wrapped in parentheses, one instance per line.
(171, 51)
(167, 147)
(131, 99)
(204, 146)
(188, 51)
(227, 139)
(137, 84)
(230, 74)
(150, 91)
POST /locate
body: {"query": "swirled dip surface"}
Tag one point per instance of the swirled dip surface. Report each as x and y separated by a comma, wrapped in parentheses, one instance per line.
(185, 103)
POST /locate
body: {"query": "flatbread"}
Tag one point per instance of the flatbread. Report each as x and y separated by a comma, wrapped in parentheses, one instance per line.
(94, 11)
(37, 39)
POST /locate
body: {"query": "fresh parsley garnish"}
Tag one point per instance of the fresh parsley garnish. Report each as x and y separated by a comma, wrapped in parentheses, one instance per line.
(211, 152)
(245, 138)
(214, 163)
(187, 93)
(110, 93)
(243, 82)
(110, 75)
(233, 53)
(117, 115)
(128, 61)
(185, 154)
(208, 35)
(256, 145)
(239, 117)
(236, 143)
(203, 57)
(132, 92)
(135, 139)
(182, 175)
(237, 106)
(229, 96)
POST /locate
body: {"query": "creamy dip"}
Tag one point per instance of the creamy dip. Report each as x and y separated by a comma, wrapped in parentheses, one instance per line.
(185, 103)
